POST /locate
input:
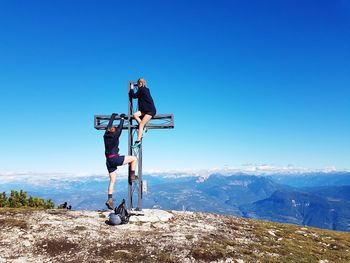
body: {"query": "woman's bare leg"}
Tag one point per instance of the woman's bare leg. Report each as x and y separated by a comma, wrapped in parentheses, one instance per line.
(137, 116)
(142, 124)
(132, 160)
(109, 202)
(111, 182)
(127, 159)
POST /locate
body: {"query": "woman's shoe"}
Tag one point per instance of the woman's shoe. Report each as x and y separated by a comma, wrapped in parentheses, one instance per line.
(132, 178)
(136, 144)
(109, 203)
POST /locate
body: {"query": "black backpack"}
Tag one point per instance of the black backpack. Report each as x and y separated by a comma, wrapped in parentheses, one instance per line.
(122, 212)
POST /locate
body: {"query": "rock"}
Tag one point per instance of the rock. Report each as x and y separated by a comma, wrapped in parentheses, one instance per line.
(187, 260)
(20, 260)
(271, 233)
(152, 215)
(26, 243)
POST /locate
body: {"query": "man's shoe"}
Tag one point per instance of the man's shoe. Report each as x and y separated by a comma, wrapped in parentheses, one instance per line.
(109, 204)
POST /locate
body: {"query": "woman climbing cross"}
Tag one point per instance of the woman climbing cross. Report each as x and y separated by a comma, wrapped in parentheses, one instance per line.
(113, 159)
(146, 111)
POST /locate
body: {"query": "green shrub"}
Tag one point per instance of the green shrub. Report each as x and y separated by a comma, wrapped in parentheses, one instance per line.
(19, 199)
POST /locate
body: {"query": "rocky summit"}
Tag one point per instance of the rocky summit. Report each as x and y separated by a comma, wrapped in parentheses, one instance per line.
(29, 235)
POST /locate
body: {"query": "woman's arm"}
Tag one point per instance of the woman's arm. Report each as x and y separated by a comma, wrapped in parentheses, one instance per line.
(110, 123)
(121, 123)
(134, 94)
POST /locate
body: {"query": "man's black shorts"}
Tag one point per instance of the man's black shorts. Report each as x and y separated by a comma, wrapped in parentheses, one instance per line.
(114, 162)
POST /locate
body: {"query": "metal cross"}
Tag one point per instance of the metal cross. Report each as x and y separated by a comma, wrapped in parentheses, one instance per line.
(159, 121)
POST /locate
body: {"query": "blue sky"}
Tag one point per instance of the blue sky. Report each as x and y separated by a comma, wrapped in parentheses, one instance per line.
(261, 82)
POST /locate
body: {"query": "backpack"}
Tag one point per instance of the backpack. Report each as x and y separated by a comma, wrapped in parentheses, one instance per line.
(122, 212)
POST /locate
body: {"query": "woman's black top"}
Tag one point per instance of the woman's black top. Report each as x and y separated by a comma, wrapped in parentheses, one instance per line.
(145, 101)
(111, 139)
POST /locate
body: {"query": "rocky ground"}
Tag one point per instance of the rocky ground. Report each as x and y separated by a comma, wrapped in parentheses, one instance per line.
(161, 236)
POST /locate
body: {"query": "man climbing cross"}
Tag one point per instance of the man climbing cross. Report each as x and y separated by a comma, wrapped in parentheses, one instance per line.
(113, 159)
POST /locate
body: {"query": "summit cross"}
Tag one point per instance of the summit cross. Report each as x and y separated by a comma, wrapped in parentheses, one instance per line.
(159, 121)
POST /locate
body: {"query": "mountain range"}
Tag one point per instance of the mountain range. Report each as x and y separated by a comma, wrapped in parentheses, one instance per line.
(319, 199)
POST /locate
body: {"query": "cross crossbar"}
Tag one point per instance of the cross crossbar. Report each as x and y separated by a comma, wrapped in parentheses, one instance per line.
(159, 121)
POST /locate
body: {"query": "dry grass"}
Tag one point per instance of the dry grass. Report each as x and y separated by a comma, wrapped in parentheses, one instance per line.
(213, 247)
(123, 252)
(273, 242)
(57, 211)
(13, 222)
(21, 210)
(101, 215)
(80, 228)
(55, 247)
(296, 244)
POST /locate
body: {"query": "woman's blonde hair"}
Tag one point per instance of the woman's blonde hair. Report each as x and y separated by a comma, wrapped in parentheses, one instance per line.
(143, 81)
